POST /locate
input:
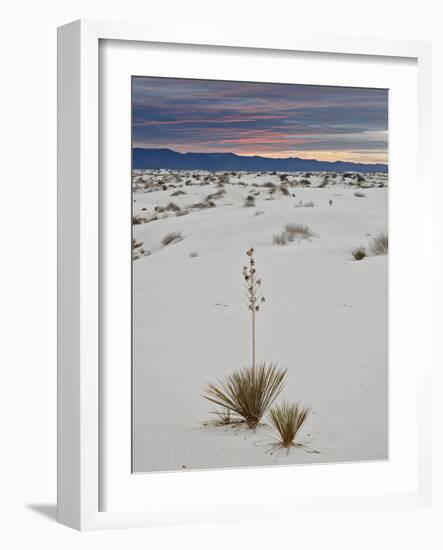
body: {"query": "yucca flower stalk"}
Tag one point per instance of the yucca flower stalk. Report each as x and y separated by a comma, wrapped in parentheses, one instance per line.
(253, 295)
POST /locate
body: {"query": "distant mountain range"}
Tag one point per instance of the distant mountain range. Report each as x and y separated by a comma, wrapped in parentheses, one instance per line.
(168, 159)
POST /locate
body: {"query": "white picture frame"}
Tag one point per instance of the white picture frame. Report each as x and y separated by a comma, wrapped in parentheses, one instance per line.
(81, 395)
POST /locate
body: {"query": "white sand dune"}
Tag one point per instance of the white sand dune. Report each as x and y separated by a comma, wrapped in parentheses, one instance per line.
(325, 318)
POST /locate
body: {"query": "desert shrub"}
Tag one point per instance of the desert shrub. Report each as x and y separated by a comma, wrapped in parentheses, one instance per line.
(172, 207)
(136, 244)
(249, 201)
(179, 192)
(287, 420)
(258, 213)
(360, 178)
(193, 254)
(137, 220)
(298, 230)
(216, 195)
(359, 194)
(380, 244)
(308, 204)
(358, 253)
(305, 181)
(171, 237)
(284, 191)
(280, 239)
(269, 184)
(248, 392)
(182, 212)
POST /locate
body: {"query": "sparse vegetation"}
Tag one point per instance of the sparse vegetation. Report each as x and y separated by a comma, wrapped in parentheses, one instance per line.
(172, 207)
(287, 420)
(171, 238)
(248, 392)
(280, 239)
(291, 232)
(298, 230)
(359, 253)
(307, 204)
(380, 244)
(182, 212)
(249, 202)
(217, 195)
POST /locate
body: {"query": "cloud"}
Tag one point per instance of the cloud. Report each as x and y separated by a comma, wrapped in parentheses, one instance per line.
(244, 117)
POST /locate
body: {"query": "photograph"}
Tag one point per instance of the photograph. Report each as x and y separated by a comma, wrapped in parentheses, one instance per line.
(259, 274)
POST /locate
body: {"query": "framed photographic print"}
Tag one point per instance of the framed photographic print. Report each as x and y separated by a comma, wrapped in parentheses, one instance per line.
(239, 246)
(234, 205)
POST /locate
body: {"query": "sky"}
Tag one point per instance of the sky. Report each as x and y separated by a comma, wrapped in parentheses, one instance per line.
(270, 120)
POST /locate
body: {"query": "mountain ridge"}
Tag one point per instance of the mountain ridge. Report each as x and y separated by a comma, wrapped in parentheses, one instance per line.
(163, 158)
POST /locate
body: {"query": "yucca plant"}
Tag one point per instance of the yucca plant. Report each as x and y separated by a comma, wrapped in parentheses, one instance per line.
(249, 392)
(287, 420)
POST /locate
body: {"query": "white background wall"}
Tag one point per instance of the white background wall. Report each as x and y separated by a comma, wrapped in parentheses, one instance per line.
(28, 265)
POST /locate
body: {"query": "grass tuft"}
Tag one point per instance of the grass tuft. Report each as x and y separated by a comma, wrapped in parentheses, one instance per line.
(298, 230)
(249, 392)
(172, 207)
(280, 239)
(359, 253)
(287, 420)
(171, 238)
(380, 244)
(258, 213)
(249, 202)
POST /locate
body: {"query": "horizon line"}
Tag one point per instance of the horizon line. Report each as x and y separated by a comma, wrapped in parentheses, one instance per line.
(255, 156)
